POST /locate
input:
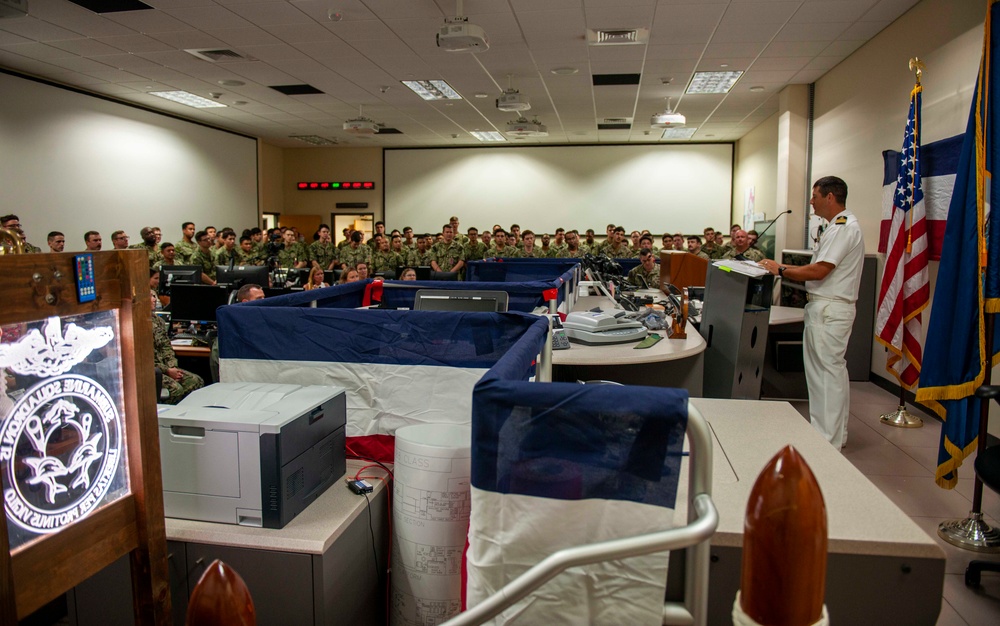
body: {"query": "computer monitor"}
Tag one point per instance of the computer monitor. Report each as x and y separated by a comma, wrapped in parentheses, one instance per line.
(171, 275)
(423, 271)
(196, 303)
(240, 275)
(464, 300)
(297, 277)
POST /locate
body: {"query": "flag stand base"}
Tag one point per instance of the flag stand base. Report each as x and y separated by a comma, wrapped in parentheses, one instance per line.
(971, 533)
(901, 418)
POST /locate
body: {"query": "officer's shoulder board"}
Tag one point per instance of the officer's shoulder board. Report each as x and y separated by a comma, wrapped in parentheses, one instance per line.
(841, 220)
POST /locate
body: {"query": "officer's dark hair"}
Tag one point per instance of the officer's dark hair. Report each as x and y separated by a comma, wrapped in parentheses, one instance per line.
(186, 224)
(86, 235)
(245, 238)
(648, 238)
(165, 245)
(255, 231)
(834, 185)
(201, 233)
(645, 253)
(357, 236)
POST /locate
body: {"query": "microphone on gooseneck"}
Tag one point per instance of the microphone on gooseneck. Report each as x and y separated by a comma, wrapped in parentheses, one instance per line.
(760, 235)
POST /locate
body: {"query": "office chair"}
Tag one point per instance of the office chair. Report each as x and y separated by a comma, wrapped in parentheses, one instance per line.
(987, 468)
(444, 275)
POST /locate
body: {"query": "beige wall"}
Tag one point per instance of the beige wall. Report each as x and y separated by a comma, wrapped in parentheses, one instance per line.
(756, 165)
(270, 177)
(330, 164)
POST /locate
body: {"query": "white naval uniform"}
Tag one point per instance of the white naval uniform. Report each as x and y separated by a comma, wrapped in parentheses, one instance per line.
(829, 317)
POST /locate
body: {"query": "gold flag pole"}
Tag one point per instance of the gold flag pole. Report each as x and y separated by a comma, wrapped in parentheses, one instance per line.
(901, 418)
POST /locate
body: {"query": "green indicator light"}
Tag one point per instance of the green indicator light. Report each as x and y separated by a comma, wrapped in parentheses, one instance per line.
(335, 185)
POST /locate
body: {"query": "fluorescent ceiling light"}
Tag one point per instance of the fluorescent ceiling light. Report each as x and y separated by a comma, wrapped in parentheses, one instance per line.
(487, 135)
(315, 140)
(713, 82)
(432, 89)
(184, 97)
(678, 133)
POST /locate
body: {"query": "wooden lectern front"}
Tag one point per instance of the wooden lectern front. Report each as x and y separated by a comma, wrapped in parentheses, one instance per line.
(79, 447)
(681, 269)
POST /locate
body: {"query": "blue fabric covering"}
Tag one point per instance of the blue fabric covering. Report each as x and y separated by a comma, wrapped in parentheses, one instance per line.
(522, 297)
(571, 442)
(518, 270)
(937, 158)
(473, 340)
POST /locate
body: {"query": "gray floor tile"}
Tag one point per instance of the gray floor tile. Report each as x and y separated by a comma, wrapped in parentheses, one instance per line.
(949, 616)
(978, 607)
(919, 496)
(927, 456)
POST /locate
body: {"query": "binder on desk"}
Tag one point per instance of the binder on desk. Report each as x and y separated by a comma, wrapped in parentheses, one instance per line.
(681, 269)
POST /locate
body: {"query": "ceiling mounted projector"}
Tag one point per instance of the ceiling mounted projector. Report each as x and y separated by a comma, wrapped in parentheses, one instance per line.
(511, 100)
(361, 125)
(667, 119)
(458, 35)
(523, 128)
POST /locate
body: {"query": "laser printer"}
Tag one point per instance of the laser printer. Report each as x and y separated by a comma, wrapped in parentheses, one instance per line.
(254, 454)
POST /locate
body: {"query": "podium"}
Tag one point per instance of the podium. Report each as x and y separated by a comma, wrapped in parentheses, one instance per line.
(681, 269)
(79, 449)
(734, 323)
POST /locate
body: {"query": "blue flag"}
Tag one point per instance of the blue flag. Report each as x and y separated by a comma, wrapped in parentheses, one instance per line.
(968, 280)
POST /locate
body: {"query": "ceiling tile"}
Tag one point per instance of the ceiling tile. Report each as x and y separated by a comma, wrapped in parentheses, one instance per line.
(888, 10)
(266, 14)
(842, 48)
(836, 11)
(794, 48)
(864, 30)
(209, 17)
(246, 36)
(828, 31)
(135, 43)
(37, 30)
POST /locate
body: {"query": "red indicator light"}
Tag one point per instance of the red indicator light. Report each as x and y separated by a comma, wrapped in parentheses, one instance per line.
(314, 185)
(324, 185)
(355, 185)
(369, 185)
(303, 185)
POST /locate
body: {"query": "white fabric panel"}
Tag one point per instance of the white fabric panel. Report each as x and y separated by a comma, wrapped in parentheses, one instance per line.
(508, 534)
(380, 398)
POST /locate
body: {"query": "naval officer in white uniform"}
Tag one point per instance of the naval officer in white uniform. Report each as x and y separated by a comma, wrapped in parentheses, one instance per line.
(832, 281)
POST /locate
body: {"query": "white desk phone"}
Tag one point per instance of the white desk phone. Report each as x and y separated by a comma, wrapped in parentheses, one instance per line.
(598, 328)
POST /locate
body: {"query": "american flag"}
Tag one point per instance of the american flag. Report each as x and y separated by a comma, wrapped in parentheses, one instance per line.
(905, 291)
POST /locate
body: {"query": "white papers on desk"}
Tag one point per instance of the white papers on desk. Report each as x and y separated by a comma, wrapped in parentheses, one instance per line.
(182, 342)
(747, 268)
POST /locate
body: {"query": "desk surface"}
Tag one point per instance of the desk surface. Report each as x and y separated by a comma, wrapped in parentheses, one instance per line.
(861, 519)
(786, 315)
(185, 350)
(625, 353)
(313, 531)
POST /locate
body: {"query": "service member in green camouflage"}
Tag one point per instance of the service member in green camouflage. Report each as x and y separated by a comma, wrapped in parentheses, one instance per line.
(408, 241)
(229, 253)
(529, 251)
(322, 252)
(204, 258)
(354, 253)
(475, 250)
(448, 255)
(573, 249)
(500, 249)
(420, 255)
(379, 232)
(558, 244)
(384, 259)
(178, 383)
(148, 234)
(294, 254)
(13, 223)
(185, 248)
(741, 247)
(169, 253)
(618, 248)
(647, 273)
(694, 247)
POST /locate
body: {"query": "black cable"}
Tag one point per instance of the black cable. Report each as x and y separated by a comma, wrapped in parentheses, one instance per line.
(371, 529)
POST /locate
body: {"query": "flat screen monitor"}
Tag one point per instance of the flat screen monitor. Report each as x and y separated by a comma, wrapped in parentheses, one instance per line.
(197, 303)
(240, 275)
(171, 275)
(465, 300)
(423, 271)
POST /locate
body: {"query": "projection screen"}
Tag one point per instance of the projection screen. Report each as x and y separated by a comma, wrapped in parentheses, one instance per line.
(663, 188)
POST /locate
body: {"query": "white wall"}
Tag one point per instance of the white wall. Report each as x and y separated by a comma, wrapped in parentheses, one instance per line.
(665, 188)
(757, 167)
(73, 163)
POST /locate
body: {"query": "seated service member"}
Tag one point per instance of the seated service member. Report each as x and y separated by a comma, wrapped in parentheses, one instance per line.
(186, 247)
(832, 281)
(92, 240)
(354, 253)
(204, 258)
(294, 254)
(529, 251)
(322, 252)
(178, 383)
(13, 222)
(694, 247)
(647, 273)
(741, 246)
(475, 250)
(56, 241)
(449, 255)
(500, 248)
